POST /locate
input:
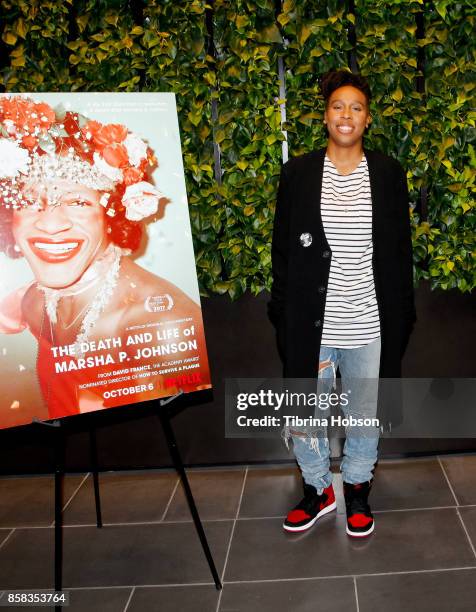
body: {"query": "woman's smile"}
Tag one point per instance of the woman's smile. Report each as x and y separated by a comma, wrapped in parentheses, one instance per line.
(345, 129)
(55, 251)
(346, 116)
(60, 242)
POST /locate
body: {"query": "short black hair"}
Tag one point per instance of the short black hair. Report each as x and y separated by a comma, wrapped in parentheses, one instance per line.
(332, 80)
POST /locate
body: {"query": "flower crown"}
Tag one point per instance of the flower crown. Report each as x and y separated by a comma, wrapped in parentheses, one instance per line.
(39, 143)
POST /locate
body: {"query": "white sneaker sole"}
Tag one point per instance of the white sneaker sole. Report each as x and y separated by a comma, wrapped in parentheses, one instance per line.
(325, 510)
(361, 534)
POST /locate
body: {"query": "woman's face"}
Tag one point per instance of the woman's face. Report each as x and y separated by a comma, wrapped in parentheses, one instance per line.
(60, 242)
(347, 116)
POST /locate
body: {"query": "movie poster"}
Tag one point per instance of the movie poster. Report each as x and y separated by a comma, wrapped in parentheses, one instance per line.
(99, 301)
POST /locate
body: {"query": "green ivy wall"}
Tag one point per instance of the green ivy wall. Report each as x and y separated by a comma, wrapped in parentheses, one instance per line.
(221, 59)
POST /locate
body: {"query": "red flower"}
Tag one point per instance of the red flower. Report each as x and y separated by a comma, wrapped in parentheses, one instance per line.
(66, 142)
(71, 124)
(116, 155)
(104, 135)
(26, 115)
(132, 175)
(30, 142)
(90, 130)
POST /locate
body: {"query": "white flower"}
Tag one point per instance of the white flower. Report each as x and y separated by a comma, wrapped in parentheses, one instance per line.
(9, 126)
(115, 174)
(104, 199)
(141, 200)
(136, 149)
(13, 159)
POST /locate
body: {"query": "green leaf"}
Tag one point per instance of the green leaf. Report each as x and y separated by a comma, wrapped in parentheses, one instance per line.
(271, 34)
(9, 37)
(304, 34)
(416, 139)
(397, 95)
(21, 28)
(242, 21)
(18, 62)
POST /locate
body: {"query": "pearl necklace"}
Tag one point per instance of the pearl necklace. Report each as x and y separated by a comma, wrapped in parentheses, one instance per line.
(105, 270)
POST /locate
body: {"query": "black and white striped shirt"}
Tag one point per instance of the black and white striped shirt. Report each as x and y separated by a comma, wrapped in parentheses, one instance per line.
(351, 318)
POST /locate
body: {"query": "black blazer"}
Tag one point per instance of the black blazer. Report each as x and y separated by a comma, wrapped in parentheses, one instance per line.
(300, 273)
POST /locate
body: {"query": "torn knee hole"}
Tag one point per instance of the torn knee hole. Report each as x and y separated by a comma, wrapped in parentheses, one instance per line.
(300, 434)
(325, 364)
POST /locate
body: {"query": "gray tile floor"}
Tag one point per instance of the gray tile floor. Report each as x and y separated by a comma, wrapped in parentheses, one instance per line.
(147, 557)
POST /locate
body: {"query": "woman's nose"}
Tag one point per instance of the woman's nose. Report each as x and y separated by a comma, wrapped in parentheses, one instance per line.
(52, 220)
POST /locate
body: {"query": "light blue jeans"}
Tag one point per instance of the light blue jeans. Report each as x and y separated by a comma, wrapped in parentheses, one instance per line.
(359, 369)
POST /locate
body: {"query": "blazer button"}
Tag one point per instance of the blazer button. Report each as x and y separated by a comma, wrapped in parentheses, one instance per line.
(326, 254)
(317, 323)
(322, 289)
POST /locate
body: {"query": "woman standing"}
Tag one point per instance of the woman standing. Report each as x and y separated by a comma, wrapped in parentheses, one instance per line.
(342, 294)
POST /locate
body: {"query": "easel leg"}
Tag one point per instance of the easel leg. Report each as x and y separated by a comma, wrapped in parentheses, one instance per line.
(94, 466)
(59, 482)
(176, 458)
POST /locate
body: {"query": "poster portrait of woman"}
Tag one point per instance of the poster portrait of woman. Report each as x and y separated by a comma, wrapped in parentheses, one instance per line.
(76, 197)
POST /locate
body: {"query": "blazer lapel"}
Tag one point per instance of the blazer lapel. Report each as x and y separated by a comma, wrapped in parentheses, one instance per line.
(377, 191)
(315, 183)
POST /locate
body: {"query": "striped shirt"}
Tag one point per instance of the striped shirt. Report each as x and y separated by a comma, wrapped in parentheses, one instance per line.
(351, 317)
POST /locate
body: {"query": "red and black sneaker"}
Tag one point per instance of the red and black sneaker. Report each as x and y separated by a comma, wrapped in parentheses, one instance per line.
(360, 521)
(310, 508)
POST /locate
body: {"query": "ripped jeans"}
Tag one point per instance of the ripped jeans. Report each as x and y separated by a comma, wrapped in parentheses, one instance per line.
(359, 368)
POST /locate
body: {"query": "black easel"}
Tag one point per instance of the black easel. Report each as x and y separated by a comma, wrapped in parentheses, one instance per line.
(59, 449)
(94, 468)
(164, 417)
